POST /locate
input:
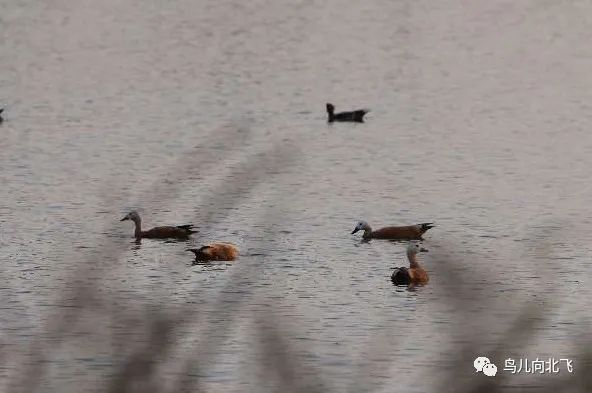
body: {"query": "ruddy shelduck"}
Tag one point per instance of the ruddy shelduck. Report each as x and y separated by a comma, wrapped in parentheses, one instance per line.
(410, 232)
(165, 232)
(215, 252)
(415, 274)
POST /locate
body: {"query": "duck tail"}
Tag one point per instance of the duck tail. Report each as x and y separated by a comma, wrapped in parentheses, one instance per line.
(188, 228)
(359, 114)
(425, 226)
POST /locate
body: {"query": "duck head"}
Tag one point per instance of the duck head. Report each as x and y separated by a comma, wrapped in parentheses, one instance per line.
(361, 226)
(330, 108)
(415, 247)
(201, 253)
(134, 216)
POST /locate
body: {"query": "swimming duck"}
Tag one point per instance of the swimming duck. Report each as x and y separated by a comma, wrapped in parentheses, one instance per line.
(414, 275)
(410, 232)
(356, 116)
(215, 252)
(167, 232)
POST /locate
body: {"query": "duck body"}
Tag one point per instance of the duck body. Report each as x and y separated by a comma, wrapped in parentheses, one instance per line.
(353, 116)
(163, 232)
(215, 252)
(409, 232)
(168, 232)
(415, 274)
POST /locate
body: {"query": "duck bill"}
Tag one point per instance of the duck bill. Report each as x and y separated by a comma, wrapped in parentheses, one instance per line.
(124, 218)
(355, 230)
(423, 250)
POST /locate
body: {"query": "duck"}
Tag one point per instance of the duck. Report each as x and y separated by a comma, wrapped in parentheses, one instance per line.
(415, 274)
(165, 232)
(355, 116)
(409, 232)
(215, 252)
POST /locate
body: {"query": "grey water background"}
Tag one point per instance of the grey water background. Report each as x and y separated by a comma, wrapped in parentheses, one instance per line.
(212, 113)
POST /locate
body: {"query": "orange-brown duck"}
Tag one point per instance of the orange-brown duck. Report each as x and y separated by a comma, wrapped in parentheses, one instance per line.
(355, 116)
(410, 232)
(166, 232)
(415, 274)
(215, 252)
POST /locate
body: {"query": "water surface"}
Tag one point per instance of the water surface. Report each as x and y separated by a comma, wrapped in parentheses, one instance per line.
(479, 122)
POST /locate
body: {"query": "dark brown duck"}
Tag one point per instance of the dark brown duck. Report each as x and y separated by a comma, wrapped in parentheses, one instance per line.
(354, 116)
(409, 232)
(165, 232)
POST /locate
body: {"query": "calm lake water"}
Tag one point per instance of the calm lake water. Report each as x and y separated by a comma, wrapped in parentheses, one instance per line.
(212, 113)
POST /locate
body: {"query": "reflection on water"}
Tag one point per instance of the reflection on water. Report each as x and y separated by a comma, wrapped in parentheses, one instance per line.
(479, 122)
